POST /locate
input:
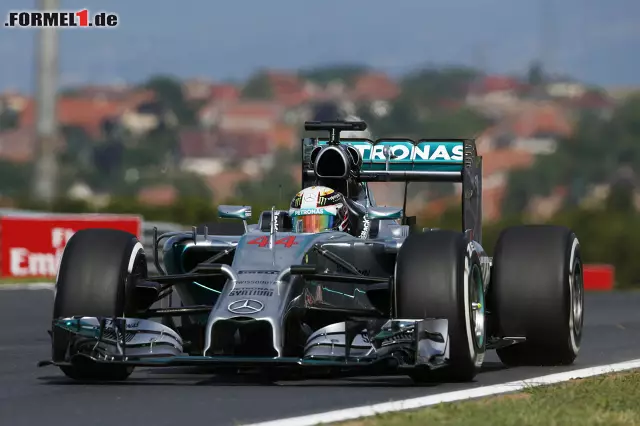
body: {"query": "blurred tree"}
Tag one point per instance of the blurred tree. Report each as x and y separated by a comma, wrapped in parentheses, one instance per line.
(593, 155)
(429, 86)
(258, 87)
(402, 120)
(170, 94)
(191, 185)
(418, 112)
(461, 123)
(14, 178)
(277, 187)
(621, 197)
(9, 119)
(108, 157)
(326, 111)
(536, 75)
(153, 149)
(346, 73)
(78, 147)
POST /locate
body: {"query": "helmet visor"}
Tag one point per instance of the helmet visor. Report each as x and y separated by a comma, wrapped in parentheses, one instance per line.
(314, 223)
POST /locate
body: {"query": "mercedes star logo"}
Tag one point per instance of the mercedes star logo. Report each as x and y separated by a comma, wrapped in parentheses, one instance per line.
(246, 307)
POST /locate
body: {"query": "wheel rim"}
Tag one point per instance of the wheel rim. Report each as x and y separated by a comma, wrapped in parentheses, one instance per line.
(577, 300)
(138, 272)
(477, 308)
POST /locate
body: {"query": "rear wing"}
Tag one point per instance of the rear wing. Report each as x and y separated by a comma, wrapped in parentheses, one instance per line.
(403, 160)
(441, 160)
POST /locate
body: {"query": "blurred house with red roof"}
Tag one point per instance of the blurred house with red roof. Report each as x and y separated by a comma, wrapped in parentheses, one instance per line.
(201, 90)
(158, 195)
(238, 136)
(249, 116)
(196, 89)
(495, 95)
(91, 108)
(210, 152)
(13, 102)
(18, 145)
(223, 185)
(496, 166)
(224, 93)
(377, 90)
(200, 153)
(374, 86)
(533, 127)
(87, 114)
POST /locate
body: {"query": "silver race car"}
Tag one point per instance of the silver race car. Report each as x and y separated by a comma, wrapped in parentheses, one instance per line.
(334, 285)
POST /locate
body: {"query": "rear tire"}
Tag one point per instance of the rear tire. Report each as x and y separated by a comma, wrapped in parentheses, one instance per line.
(438, 276)
(96, 279)
(538, 293)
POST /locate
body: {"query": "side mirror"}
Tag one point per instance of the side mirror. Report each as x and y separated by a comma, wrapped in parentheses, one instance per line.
(234, 212)
(376, 212)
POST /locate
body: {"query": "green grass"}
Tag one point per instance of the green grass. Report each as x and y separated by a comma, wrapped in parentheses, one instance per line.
(26, 280)
(603, 400)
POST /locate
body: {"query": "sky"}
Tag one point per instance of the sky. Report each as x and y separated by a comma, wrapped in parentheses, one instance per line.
(593, 40)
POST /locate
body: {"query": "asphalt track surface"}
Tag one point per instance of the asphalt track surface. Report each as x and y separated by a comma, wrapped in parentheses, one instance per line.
(37, 396)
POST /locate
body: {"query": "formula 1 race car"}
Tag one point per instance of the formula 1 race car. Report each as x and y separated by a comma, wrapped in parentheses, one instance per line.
(389, 299)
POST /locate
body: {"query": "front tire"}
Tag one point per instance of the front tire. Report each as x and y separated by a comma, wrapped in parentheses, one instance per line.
(538, 293)
(96, 278)
(438, 275)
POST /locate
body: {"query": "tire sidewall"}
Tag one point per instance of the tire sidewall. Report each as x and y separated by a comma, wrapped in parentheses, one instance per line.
(574, 262)
(133, 256)
(536, 300)
(94, 279)
(134, 262)
(433, 279)
(475, 352)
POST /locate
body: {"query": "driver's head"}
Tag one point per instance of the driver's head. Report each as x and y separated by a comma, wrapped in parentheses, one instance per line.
(318, 209)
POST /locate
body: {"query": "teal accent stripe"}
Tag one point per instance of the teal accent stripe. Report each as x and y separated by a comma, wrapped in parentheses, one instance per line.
(206, 288)
(352, 296)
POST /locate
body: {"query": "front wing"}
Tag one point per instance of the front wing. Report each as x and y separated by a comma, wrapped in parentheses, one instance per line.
(394, 346)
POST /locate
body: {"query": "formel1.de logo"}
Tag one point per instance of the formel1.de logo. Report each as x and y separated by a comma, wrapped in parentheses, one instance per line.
(60, 19)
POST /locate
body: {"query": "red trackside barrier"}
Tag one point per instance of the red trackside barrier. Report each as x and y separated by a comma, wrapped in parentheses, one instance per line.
(598, 277)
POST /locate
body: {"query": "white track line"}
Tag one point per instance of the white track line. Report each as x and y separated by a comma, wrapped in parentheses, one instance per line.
(28, 286)
(408, 404)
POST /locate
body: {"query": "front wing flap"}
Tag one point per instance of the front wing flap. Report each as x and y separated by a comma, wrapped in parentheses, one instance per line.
(389, 345)
(116, 338)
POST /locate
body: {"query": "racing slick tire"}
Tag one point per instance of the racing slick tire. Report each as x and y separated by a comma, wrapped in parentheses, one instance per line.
(438, 275)
(537, 292)
(95, 279)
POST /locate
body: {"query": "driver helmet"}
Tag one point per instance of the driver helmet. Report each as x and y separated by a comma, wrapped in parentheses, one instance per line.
(319, 209)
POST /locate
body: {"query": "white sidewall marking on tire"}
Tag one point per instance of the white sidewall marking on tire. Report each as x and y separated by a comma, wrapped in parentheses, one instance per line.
(572, 335)
(55, 285)
(467, 316)
(134, 254)
(395, 291)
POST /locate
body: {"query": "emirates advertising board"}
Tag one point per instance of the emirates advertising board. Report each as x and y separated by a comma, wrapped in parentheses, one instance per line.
(32, 246)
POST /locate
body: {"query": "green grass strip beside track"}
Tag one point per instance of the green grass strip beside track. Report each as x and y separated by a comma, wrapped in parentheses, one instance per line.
(610, 400)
